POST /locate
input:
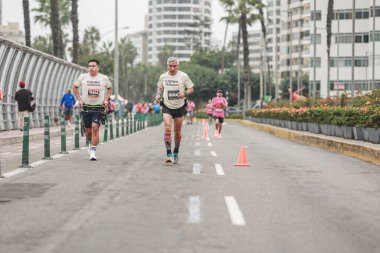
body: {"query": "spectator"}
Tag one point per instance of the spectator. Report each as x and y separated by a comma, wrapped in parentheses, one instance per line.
(129, 107)
(69, 100)
(23, 97)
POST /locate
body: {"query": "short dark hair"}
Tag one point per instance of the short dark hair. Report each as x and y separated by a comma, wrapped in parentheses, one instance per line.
(94, 60)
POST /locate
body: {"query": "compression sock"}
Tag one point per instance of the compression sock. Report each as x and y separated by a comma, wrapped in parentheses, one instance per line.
(168, 143)
(177, 142)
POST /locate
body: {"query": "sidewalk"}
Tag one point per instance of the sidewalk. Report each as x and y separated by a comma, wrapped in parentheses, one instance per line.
(359, 149)
(16, 136)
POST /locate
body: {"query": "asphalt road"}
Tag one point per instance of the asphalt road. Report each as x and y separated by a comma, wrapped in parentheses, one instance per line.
(293, 198)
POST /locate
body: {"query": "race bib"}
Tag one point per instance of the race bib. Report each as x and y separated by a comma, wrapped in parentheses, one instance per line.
(218, 109)
(93, 93)
(173, 94)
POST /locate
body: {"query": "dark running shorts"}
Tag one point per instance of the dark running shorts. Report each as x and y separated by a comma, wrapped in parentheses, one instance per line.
(69, 111)
(220, 119)
(89, 117)
(175, 113)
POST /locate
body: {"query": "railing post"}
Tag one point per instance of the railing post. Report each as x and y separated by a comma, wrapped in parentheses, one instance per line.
(122, 126)
(76, 145)
(25, 144)
(134, 123)
(111, 126)
(47, 138)
(105, 135)
(117, 127)
(127, 125)
(63, 135)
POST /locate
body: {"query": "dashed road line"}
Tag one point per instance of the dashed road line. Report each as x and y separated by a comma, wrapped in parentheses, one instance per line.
(197, 152)
(194, 206)
(219, 170)
(236, 215)
(196, 168)
(209, 144)
(213, 153)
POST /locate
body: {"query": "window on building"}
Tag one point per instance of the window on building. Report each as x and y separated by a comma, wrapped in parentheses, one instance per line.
(318, 38)
(317, 15)
(317, 62)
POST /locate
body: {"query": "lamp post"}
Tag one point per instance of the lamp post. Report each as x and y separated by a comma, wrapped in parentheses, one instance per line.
(373, 44)
(315, 50)
(116, 55)
(353, 51)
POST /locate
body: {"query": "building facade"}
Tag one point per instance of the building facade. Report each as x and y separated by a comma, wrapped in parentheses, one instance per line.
(182, 24)
(12, 32)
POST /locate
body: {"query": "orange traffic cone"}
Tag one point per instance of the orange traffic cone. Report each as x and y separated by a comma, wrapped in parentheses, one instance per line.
(242, 159)
(205, 134)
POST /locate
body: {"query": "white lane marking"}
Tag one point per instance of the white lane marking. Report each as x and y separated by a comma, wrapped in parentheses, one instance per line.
(57, 156)
(234, 211)
(194, 210)
(38, 163)
(219, 170)
(6, 153)
(197, 144)
(209, 144)
(15, 172)
(198, 139)
(213, 153)
(196, 168)
(197, 152)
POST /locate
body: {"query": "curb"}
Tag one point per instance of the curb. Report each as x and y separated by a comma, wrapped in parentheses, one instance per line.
(368, 152)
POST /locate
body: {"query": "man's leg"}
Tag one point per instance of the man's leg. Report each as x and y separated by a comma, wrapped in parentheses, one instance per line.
(94, 140)
(177, 137)
(168, 134)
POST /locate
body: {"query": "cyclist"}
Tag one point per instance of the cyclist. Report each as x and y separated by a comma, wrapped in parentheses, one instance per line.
(96, 90)
(175, 86)
(219, 105)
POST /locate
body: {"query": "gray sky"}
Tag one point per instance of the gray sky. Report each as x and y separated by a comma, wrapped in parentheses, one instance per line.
(100, 13)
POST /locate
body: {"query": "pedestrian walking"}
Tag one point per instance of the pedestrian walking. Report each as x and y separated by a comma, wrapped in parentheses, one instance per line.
(219, 104)
(175, 86)
(67, 105)
(24, 98)
(96, 90)
(210, 111)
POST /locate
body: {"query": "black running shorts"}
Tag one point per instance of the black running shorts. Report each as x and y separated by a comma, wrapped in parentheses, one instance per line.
(89, 117)
(220, 119)
(175, 113)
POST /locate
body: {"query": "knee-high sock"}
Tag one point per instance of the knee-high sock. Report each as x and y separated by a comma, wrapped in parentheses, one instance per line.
(177, 142)
(168, 143)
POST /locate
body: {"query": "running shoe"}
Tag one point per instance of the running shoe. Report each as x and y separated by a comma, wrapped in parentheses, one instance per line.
(219, 136)
(175, 158)
(169, 159)
(92, 155)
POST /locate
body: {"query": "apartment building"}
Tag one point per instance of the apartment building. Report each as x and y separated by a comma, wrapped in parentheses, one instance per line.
(12, 32)
(182, 24)
(366, 69)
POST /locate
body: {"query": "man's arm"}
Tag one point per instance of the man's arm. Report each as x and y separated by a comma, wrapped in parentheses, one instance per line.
(76, 93)
(63, 99)
(187, 93)
(158, 94)
(107, 96)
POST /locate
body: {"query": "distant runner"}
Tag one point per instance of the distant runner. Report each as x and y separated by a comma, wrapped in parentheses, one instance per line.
(219, 105)
(210, 111)
(175, 86)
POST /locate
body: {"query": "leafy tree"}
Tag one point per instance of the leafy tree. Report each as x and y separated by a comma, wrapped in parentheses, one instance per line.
(56, 31)
(213, 59)
(25, 5)
(165, 52)
(43, 44)
(127, 54)
(90, 41)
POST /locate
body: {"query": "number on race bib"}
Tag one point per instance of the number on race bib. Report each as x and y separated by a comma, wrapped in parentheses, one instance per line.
(173, 94)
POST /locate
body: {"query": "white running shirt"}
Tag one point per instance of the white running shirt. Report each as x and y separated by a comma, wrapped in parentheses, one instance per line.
(173, 85)
(94, 88)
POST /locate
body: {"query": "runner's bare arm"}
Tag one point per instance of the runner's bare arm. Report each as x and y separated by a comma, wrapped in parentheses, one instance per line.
(76, 93)
(106, 97)
(158, 94)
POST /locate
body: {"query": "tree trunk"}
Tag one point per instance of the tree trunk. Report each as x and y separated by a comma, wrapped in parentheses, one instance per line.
(25, 5)
(264, 32)
(224, 46)
(56, 29)
(75, 23)
(330, 16)
(246, 70)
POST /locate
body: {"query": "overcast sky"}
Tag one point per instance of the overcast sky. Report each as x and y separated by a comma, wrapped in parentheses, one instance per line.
(100, 13)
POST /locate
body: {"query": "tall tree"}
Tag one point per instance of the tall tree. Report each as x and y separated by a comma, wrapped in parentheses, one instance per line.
(128, 54)
(245, 11)
(230, 18)
(75, 23)
(330, 16)
(91, 38)
(165, 52)
(56, 32)
(43, 44)
(25, 5)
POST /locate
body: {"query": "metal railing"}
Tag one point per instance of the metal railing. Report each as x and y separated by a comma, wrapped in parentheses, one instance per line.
(46, 76)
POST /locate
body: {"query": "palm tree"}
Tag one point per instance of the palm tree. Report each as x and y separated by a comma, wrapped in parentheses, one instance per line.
(90, 40)
(43, 12)
(74, 22)
(230, 18)
(128, 53)
(25, 5)
(43, 44)
(244, 11)
(56, 32)
(330, 16)
(165, 52)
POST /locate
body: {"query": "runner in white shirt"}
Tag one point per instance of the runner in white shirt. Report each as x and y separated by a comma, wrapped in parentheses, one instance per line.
(96, 89)
(174, 85)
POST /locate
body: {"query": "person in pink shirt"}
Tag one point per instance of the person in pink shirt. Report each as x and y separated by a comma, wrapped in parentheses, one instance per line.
(219, 104)
(190, 110)
(210, 111)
